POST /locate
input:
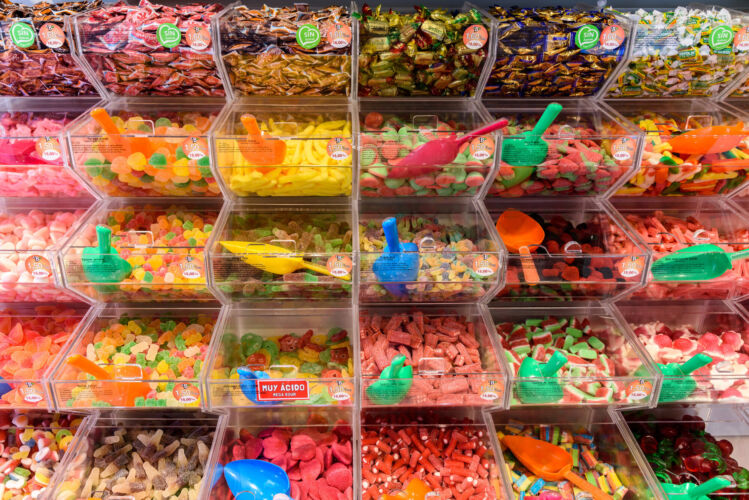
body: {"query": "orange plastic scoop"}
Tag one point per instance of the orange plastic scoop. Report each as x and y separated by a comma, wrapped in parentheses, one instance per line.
(119, 393)
(518, 232)
(549, 462)
(416, 489)
(256, 149)
(709, 140)
(129, 144)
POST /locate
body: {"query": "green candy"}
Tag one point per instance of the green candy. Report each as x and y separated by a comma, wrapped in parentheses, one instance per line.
(251, 344)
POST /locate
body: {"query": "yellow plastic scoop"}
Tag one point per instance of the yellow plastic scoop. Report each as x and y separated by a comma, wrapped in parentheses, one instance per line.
(267, 258)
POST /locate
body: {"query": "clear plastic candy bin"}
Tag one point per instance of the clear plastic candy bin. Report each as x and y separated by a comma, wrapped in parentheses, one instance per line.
(581, 256)
(271, 253)
(450, 352)
(145, 357)
(672, 333)
(590, 150)
(597, 360)
(391, 129)
(271, 358)
(681, 156)
(290, 150)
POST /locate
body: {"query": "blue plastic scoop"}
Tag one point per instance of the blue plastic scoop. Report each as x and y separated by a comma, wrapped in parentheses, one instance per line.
(257, 480)
(399, 262)
(4, 388)
(247, 383)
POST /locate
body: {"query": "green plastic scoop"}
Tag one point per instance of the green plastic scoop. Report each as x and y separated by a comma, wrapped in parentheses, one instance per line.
(394, 383)
(677, 384)
(691, 491)
(547, 390)
(696, 263)
(529, 149)
(103, 264)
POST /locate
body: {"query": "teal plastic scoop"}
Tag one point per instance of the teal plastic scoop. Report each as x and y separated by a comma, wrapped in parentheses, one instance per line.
(103, 264)
(677, 384)
(696, 263)
(547, 390)
(691, 491)
(394, 383)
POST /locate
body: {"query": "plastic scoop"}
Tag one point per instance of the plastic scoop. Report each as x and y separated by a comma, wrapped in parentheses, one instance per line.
(130, 144)
(264, 256)
(677, 384)
(247, 384)
(256, 149)
(394, 383)
(529, 149)
(692, 491)
(4, 388)
(695, 263)
(103, 264)
(122, 393)
(257, 480)
(709, 140)
(520, 231)
(547, 390)
(549, 462)
(398, 263)
(437, 152)
(416, 489)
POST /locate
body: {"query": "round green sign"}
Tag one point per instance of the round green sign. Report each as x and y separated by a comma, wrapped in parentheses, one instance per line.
(720, 37)
(22, 34)
(308, 36)
(587, 37)
(168, 35)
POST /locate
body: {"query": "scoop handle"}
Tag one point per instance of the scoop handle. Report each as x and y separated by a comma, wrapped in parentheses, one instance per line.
(695, 363)
(104, 238)
(741, 254)
(250, 125)
(390, 228)
(501, 123)
(322, 270)
(105, 121)
(88, 366)
(556, 361)
(529, 268)
(547, 118)
(709, 486)
(598, 494)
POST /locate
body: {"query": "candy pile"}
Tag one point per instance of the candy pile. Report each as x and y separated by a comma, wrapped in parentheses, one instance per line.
(152, 49)
(317, 161)
(323, 234)
(587, 461)
(263, 54)
(318, 462)
(686, 52)
(37, 60)
(449, 249)
(554, 52)
(725, 378)
(454, 460)
(31, 449)
(684, 452)
(173, 160)
(31, 165)
(447, 347)
(26, 274)
(594, 369)
(386, 139)
(666, 171)
(423, 53)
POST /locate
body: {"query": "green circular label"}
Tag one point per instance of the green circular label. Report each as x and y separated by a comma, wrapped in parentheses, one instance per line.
(587, 37)
(168, 35)
(22, 34)
(308, 36)
(720, 37)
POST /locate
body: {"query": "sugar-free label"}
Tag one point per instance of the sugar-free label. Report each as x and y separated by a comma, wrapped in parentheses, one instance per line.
(52, 35)
(485, 264)
(587, 37)
(339, 35)
(475, 36)
(720, 37)
(639, 389)
(612, 37)
(341, 390)
(490, 390)
(339, 148)
(282, 390)
(185, 393)
(741, 40)
(168, 35)
(630, 267)
(339, 265)
(48, 148)
(481, 148)
(38, 266)
(22, 34)
(31, 392)
(195, 147)
(308, 36)
(623, 149)
(198, 37)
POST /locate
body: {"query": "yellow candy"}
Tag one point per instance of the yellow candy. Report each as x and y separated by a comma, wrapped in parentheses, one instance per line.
(120, 358)
(310, 355)
(162, 367)
(65, 442)
(137, 161)
(133, 327)
(285, 359)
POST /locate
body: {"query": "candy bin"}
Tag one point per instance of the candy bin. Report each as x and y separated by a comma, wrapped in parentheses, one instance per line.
(146, 148)
(448, 359)
(31, 235)
(277, 150)
(129, 251)
(567, 249)
(684, 335)
(272, 253)
(36, 58)
(678, 230)
(33, 337)
(686, 52)
(311, 56)
(267, 357)
(423, 52)
(576, 354)
(740, 88)
(691, 147)
(126, 455)
(686, 446)
(443, 452)
(589, 151)
(149, 49)
(440, 252)
(601, 454)
(391, 130)
(34, 446)
(314, 447)
(136, 357)
(555, 52)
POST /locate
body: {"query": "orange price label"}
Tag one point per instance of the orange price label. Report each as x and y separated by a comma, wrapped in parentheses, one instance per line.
(341, 390)
(339, 265)
(612, 37)
(339, 35)
(38, 266)
(623, 149)
(195, 148)
(339, 148)
(52, 35)
(31, 392)
(475, 36)
(185, 393)
(191, 268)
(629, 267)
(48, 148)
(482, 148)
(639, 389)
(490, 390)
(485, 264)
(198, 37)
(741, 40)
